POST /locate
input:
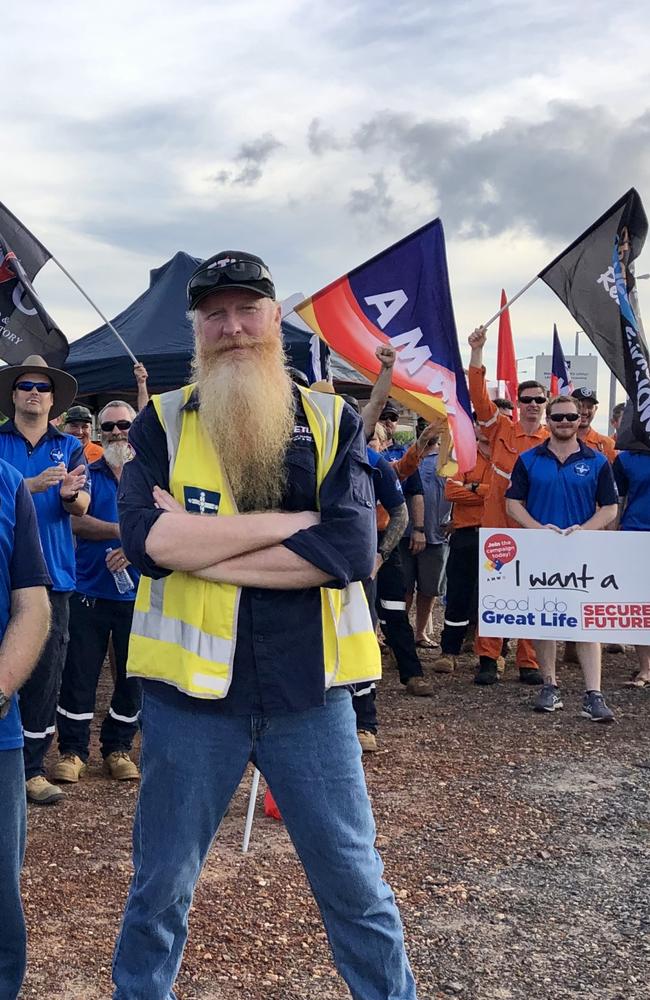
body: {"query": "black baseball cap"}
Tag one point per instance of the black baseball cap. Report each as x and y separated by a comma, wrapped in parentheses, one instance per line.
(230, 269)
(389, 412)
(78, 415)
(585, 395)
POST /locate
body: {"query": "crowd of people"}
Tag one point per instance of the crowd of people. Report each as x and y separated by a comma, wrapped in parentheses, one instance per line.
(249, 632)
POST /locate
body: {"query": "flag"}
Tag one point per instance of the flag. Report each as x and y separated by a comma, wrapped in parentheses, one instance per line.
(506, 360)
(401, 297)
(561, 384)
(25, 327)
(594, 277)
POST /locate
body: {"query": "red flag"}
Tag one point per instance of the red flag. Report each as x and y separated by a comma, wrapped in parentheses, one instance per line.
(506, 360)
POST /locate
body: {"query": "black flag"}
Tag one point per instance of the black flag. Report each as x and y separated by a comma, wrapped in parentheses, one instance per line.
(25, 327)
(594, 277)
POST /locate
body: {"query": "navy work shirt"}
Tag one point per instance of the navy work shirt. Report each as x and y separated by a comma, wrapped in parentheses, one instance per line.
(632, 474)
(53, 519)
(278, 665)
(94, 579)
(562, 493)
(21, 565)
(436, 507)
(388, 489)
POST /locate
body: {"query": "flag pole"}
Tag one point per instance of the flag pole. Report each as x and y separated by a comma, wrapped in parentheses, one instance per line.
(96, 308)
(509, 302)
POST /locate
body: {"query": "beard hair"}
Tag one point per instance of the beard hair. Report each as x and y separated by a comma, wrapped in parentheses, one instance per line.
(246, 408)
(118, 453)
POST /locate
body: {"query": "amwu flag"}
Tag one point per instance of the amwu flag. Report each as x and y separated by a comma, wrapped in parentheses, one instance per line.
(25, 327)
(401, 297)
(561, 384)
(595, 280)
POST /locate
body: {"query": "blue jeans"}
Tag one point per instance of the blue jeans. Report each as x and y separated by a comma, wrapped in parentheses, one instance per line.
(13, 937)
(191, 764)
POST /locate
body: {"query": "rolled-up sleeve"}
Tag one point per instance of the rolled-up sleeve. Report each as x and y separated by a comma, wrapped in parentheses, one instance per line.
(344, 544)
(149, 467)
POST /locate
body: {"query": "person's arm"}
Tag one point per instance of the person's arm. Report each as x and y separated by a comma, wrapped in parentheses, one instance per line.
(94, 529)
(380, 390)
(273, 568)
(398, 520)
(141, 376)
(158, 540)
(471, 494)
(600, 520)
(487, 413)
(418, 538)
(516, 509)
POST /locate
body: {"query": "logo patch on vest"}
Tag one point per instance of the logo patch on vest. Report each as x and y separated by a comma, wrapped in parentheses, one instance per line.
(581, 469)
(198, 501)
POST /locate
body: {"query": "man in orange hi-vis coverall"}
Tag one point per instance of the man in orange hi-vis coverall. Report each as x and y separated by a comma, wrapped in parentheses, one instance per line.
(508, 439)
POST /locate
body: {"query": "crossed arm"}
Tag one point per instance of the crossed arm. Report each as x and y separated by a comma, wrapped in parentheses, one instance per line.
(25, 636)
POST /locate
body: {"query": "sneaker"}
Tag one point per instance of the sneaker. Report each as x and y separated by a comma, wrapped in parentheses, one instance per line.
(367, 740)
(120, 766)
(68, 768)
(419, 687)
(530, 675)
(594, 708)
(487, 672)
(41, 792)
(549, 699)
(445, 664)
(614, 647)
(571, 653)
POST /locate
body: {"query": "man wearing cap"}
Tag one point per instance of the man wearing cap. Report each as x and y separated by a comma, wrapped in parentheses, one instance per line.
(100, 611)
(249, 509)
(54, 469)
(79, 423)
(588, 403)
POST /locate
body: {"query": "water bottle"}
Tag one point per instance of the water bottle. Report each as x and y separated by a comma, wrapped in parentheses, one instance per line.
(122, 578)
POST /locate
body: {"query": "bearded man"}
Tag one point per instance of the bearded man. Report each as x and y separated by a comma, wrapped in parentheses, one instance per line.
(249, 509)
(99, 612)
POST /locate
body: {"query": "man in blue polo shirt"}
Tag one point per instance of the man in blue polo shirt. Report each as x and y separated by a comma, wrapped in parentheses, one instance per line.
(98, 610)
(565, 486)
(54, 469)
(24, 617)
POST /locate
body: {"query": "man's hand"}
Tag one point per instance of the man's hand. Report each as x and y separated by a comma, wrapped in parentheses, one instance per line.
(477, 339)
(428, 439)
(72, 482)
(116, 560)
(386, 355)
(554, 527)
(52, 476)
(418, 542)
(572, 528)
(141, 374)
(165, 501)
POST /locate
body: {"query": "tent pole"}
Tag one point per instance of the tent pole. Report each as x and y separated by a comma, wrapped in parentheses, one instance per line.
(97, 310)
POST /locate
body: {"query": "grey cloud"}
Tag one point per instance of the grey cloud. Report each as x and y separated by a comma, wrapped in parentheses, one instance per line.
(251, 159)
(374, 200)
(321, 140)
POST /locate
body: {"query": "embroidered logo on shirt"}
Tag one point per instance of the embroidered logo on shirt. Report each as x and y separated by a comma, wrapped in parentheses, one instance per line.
(301, 432)
(198, 501)
(56, 455)
(581, 469)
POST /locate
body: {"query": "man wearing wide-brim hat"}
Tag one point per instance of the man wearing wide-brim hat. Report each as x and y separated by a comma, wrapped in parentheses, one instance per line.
(54, 470)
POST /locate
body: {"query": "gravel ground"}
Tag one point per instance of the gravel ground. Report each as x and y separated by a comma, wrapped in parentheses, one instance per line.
(518, 846)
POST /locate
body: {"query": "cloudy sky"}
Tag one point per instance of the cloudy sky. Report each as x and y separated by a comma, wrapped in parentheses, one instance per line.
(317, 133)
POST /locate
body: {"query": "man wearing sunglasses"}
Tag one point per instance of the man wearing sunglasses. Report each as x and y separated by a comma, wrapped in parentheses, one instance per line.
(588, 403)
(55, 473)
(507, 439)
(99, 612)
(249, 509)
(565, 486)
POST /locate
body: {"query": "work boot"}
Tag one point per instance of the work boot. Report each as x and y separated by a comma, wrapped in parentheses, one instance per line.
(445, 664)
(119, 765)
(614, 647)
(367, 740)
(419, 688)
(487, 672)
(530, 675)
(41, 792)
(468, 643)
(68, 768)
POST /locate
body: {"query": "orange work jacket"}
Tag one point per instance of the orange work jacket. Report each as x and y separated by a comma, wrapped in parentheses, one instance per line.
(599, 442)
(508, 440)
(467, 511)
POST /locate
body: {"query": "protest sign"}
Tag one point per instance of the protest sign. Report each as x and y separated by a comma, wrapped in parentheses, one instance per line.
(588, 586)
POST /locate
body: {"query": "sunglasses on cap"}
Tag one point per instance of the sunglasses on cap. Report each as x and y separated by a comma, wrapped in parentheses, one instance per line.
(532, 399)
(557, 418)
(109, 425)
(28, 386)
(234, 272)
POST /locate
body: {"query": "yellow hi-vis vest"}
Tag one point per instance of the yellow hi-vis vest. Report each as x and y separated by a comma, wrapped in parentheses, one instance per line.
(184, 628)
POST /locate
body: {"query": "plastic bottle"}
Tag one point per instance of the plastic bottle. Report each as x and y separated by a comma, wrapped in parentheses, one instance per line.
(122, 578)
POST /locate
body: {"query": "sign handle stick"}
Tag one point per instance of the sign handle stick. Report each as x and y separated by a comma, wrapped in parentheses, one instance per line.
(509, 302)
(251, 810)
(97, 309)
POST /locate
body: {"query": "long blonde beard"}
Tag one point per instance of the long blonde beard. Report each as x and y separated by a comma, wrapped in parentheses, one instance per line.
(246, 408)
